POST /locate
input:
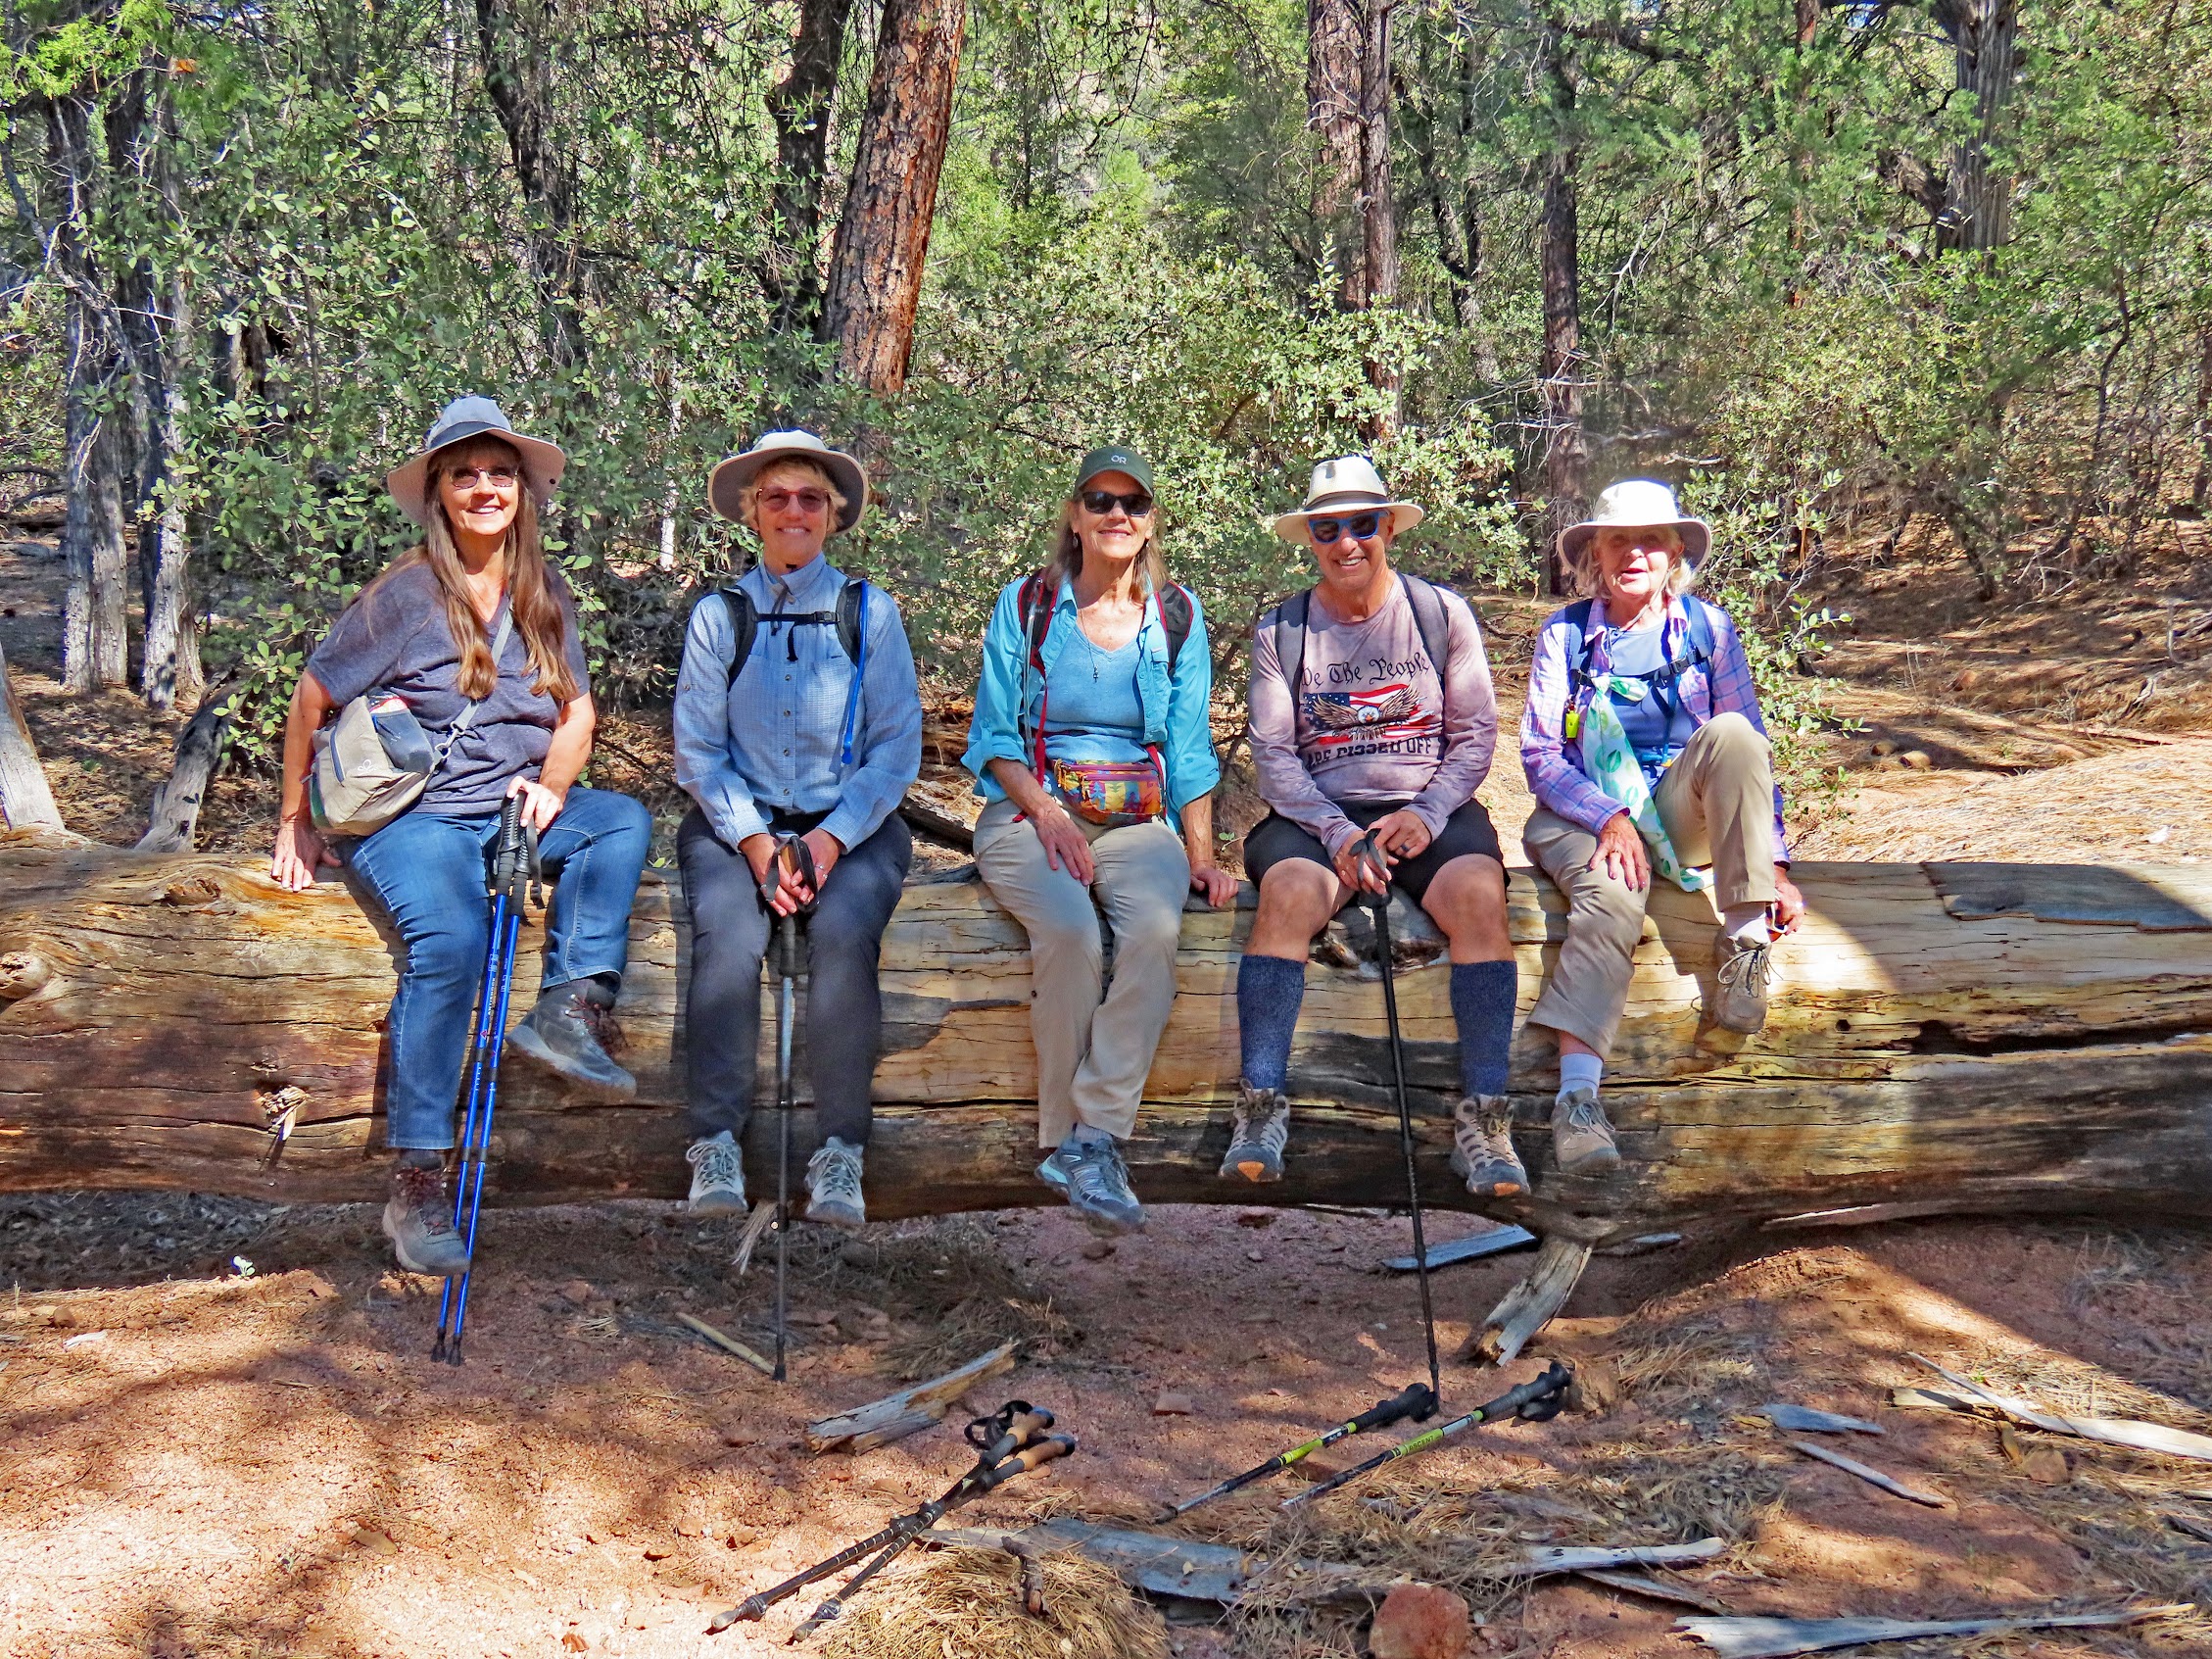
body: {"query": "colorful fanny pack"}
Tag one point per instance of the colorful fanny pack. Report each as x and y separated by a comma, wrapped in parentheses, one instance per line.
(1109, 792)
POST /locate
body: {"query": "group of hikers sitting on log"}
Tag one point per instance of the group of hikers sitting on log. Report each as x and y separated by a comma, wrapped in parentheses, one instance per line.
(797, 732)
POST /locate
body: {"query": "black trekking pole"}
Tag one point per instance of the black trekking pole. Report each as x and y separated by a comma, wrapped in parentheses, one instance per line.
(791, 962)
(997, 1437)
(514, 876)
(1416, 1400)
(1370, 854)
(1534, 1401)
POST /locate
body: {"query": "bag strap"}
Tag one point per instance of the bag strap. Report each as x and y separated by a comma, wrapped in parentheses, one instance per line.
(1433, 622)
(463, 719)
(852, 634)
(1288, 624)
(744, 625)
(1178, 615)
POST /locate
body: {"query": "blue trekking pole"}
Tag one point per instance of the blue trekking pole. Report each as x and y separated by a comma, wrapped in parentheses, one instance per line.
(515, 873)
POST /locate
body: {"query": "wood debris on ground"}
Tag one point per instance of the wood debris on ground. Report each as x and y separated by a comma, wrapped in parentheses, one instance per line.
(909, 1411)
(1777, 1638)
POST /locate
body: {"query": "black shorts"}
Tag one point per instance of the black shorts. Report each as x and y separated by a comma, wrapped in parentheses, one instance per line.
(1466, 831)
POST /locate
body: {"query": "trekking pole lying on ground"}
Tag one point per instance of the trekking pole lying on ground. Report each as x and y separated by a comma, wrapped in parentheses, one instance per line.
(791, 963)
(1006, 1445)
(1371, 854)
(1416, 1400)
(514, 878)
(1534, 1401)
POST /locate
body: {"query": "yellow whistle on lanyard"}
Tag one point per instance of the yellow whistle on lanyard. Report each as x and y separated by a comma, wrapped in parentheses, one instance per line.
(1573, 726)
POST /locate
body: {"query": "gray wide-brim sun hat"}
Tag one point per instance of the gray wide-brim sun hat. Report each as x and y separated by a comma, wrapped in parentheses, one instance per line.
(474, 418)
(1637, 503)
(726, 487)
(1343, 488)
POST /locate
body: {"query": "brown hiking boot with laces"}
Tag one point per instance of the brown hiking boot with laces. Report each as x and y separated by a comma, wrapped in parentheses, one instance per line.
(572, 1031)
(1482, 1146)
(1739, 1002)
(418, 1219)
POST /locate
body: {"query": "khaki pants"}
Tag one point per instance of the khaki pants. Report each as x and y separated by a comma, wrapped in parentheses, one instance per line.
(1094, 1052)
(1718, 802)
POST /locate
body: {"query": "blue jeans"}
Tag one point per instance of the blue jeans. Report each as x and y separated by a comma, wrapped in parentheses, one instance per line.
(428, 874)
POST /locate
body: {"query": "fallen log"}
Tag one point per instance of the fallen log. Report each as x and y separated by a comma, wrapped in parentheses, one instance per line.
(1959, 1038)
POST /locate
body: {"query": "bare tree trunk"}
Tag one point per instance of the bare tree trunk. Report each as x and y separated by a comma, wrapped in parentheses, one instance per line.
(2200, 488)
(1378, 203)
(175, 817)
(875, 285)
(799, 104)
(514, 45)
(27, 799)
(1984, 35)
(1334, 98)
(171, 665)
(1558, 371)
(1809, 22)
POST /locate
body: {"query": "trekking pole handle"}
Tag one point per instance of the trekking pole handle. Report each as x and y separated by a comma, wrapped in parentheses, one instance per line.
(509, 847)
(1416, 1400)
(1020, 1432)
(1370, 854)
(1029, 1458)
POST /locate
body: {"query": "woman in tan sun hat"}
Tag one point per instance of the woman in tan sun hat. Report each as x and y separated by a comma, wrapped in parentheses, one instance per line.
(1644, 750)
(466, 649)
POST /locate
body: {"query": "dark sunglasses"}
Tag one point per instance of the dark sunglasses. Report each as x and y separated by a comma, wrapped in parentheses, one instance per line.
(1136, 504)
(468, 478)
(810, 501)
(1359, 527)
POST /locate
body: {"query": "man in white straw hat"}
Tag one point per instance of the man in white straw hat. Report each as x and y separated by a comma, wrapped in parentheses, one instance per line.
(1644, 750)
(1371, 716)
(797, 720)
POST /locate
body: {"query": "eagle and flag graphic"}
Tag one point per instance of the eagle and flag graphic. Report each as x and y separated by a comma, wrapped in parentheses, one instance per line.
(1379, 720)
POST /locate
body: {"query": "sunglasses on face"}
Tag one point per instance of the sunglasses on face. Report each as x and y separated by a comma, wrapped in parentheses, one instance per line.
(491, 477)
(808, 501)
(1359, 527)
(1136, 504)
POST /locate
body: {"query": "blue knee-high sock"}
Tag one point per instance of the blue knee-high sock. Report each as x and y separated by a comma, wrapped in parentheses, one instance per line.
(1269, 991)
(1482, 1006)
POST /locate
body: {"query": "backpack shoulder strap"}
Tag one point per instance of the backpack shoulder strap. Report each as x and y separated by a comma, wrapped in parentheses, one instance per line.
(1035, 609)
(1288, 620)
(1177, 613)
(744, 624)
(1701, 631)
(853, 604)
(1430, 618)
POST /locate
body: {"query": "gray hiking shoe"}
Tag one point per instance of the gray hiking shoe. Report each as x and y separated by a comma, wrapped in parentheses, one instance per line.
(833, 1187)
(1582, 1140)
(1482, 1146)
(718, 1176)
(1096, 1182)
(1259, 1129)
(573, 1033)
(1739, 1001)
(418, 1219)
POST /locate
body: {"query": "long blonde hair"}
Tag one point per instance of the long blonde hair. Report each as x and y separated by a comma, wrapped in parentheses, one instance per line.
(1066, 562)
(536, 613)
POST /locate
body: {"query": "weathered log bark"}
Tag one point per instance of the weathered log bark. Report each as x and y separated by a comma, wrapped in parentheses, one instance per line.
(26, 799)
(1976, 1037)
(876, 264)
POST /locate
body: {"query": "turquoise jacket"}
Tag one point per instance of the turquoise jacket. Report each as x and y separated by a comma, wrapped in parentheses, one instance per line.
(1177, 711)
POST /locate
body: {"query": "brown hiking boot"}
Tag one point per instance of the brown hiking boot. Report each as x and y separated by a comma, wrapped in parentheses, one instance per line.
(1482, 1146)
(1739, 1002)
(1582, 1140)
(418, 1219)
(1259, 1130)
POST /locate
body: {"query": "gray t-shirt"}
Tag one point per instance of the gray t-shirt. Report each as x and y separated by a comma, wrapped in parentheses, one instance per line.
(395, 639)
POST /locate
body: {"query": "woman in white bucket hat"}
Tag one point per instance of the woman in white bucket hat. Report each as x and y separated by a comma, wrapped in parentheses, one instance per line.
(1644, 748)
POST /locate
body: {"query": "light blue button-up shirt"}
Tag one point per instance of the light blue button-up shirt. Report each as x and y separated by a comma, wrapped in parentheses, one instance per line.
(768, 741)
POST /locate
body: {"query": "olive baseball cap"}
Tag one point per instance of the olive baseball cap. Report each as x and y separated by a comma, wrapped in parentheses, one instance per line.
(1112, 458)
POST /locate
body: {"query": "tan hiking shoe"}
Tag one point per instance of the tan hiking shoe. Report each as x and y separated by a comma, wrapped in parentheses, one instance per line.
(1482, 1146)
(1739, 1002)
(1583, 1142)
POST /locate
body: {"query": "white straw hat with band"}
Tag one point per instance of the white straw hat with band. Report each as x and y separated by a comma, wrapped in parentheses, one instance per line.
(726, 487)
(474, 418)
(1343, 488)
(1637, 503)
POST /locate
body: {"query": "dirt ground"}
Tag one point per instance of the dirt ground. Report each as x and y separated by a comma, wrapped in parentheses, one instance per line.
(222, 1434)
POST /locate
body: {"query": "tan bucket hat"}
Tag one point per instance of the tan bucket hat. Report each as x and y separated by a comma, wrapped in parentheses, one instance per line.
(1637, 503)
(472, 418)
(726, 486)
(1347, 485)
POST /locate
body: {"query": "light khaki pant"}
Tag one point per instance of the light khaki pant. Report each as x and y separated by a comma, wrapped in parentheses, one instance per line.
(1093, 1051)
(1717, 803)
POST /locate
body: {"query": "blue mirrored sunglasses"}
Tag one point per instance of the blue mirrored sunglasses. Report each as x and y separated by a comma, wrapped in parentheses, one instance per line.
(1359, 527)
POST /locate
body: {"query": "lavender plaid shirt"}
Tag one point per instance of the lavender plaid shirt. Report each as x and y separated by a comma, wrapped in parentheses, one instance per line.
(1554, 769)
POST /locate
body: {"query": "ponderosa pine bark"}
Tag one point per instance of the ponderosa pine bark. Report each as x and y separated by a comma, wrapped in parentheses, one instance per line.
(876, 265)
(799, 104)
(515, 41)
(1378, 201)
(1558, 368)
(1335, 34)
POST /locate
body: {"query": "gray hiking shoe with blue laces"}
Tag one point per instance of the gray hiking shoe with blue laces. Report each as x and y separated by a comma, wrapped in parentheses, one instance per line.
(1259, 1130)
(1096, 1182)
(833, 1187)
(718, 1176)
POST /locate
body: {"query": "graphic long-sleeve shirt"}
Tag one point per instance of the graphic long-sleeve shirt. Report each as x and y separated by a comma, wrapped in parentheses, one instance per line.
(1372, 718)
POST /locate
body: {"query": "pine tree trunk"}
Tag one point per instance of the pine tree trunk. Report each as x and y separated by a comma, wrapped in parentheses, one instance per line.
(175, 817)
(1560, 369)
(1334, 53)
(800, 106)
(515, 51)
(1379, 202)
(1984, 35)
(883, 240)
(27, 799)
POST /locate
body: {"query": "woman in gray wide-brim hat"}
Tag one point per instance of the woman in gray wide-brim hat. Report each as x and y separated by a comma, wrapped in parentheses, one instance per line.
(466, 651)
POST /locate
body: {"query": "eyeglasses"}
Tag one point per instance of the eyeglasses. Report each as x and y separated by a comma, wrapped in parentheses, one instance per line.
(1136, 504)
(808, 501)
(492, 478)
(1359, 527)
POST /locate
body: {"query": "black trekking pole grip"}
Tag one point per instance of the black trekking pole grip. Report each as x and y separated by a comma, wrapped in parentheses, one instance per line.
(1416, 1400)
(1030, 1457)
(508, 850)
(1370, 854)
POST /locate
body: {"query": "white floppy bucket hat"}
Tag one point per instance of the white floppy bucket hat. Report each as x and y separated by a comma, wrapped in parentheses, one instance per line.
(474, 418)
(1347, 485)
(726, 486)
(1637, 503)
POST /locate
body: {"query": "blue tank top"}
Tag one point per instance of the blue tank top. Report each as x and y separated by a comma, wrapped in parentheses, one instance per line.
(1091, 709)
(1652, 733)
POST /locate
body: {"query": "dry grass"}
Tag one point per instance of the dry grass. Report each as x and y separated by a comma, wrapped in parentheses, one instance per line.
(964, 1603)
